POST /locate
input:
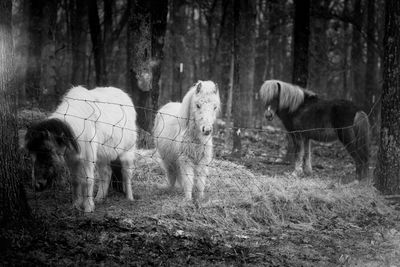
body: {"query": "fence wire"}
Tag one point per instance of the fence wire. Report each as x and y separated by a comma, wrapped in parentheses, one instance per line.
(226, 178)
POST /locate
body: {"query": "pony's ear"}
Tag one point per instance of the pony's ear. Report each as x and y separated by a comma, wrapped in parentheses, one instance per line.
(198, 88)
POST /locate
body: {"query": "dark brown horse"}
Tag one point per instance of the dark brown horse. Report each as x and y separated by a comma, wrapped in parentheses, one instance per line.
(308, 117)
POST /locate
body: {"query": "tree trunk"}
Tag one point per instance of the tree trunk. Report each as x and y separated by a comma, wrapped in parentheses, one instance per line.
(356, 54)
(36, 32)
(261, 59)
(237, 146)
(97, 44)
(48, 79)
(78, 30)
(318, 56)
(371, 82)
(301, 37)
(146, 30)
(13, 204)
(178, 29)
(246, 58)
(388, 166)
(159, 13)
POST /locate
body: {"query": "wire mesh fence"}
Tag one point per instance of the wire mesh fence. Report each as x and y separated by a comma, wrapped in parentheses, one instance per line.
(100, 140)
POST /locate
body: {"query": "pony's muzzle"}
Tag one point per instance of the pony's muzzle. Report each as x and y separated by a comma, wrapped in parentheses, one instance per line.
(206, 130)
(269, 115)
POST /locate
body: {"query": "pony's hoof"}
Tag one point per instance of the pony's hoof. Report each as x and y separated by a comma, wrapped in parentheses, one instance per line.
(308, 172)
(77, 204)
(188, 198)
(99, 199)
(88, 206)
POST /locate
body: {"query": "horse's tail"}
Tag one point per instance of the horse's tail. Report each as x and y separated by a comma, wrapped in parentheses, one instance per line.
(362, 134)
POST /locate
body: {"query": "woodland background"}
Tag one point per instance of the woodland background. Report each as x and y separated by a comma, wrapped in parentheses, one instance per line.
(254, 213)
(156, 50)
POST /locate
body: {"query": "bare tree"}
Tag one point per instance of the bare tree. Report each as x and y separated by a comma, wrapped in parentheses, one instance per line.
(146, 30)
(371, 73)
(40, 75)
(78, 43)
(246, 39)
(13, 204)
(388, 166)
(97, 43)
(357, 53)
(301, 37)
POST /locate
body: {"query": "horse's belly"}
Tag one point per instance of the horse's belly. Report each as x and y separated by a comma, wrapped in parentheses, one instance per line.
(323, 135)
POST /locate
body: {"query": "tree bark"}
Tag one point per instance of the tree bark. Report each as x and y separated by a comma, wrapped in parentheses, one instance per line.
(97, 44)
(356, 54)
(36, 32)
(246, 40)
(48, 79)
(388, 166)
(371, 74)
(13, 205)
(159, 13)
(78, 44)
(301, 37)
(146, 30)
(178, 30)
(237, 146)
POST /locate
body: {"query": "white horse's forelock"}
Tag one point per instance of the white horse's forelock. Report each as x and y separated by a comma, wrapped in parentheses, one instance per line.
(291, 96)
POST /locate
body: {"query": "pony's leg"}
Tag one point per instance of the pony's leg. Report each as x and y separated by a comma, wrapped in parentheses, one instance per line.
(201, 174)
(186, 176)
(290, 151)
(87, 186)
(127, 164)
(104, 181)
(77, 178)
(307, 157)
(299, 155)
(172, 171)
(348, 140)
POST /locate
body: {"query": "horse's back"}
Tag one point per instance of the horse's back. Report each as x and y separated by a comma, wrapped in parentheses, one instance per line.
(116, 120)
(103, 117)
(343, 113)
(168, 121)
(320, 119)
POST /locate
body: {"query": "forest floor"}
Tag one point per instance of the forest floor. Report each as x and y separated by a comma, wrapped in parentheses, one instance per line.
(254, 213)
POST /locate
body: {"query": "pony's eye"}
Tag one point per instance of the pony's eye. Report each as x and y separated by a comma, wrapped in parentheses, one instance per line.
(215, 108)
(198, 106)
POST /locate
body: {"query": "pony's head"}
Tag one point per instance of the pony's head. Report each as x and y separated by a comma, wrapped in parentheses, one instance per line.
(47, 143)
(200, 106)
(277, 95)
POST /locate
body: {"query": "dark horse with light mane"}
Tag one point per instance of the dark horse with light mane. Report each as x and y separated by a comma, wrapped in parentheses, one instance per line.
(307, 117)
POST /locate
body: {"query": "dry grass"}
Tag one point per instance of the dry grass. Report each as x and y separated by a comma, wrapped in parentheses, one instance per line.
(238, 199)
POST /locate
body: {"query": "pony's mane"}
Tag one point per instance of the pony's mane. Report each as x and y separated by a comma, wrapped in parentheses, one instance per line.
(207, 87)
(291, 96)
(60, 130)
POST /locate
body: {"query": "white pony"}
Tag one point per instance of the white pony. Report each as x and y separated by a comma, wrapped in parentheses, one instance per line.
(89, 129)
(182, 135)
